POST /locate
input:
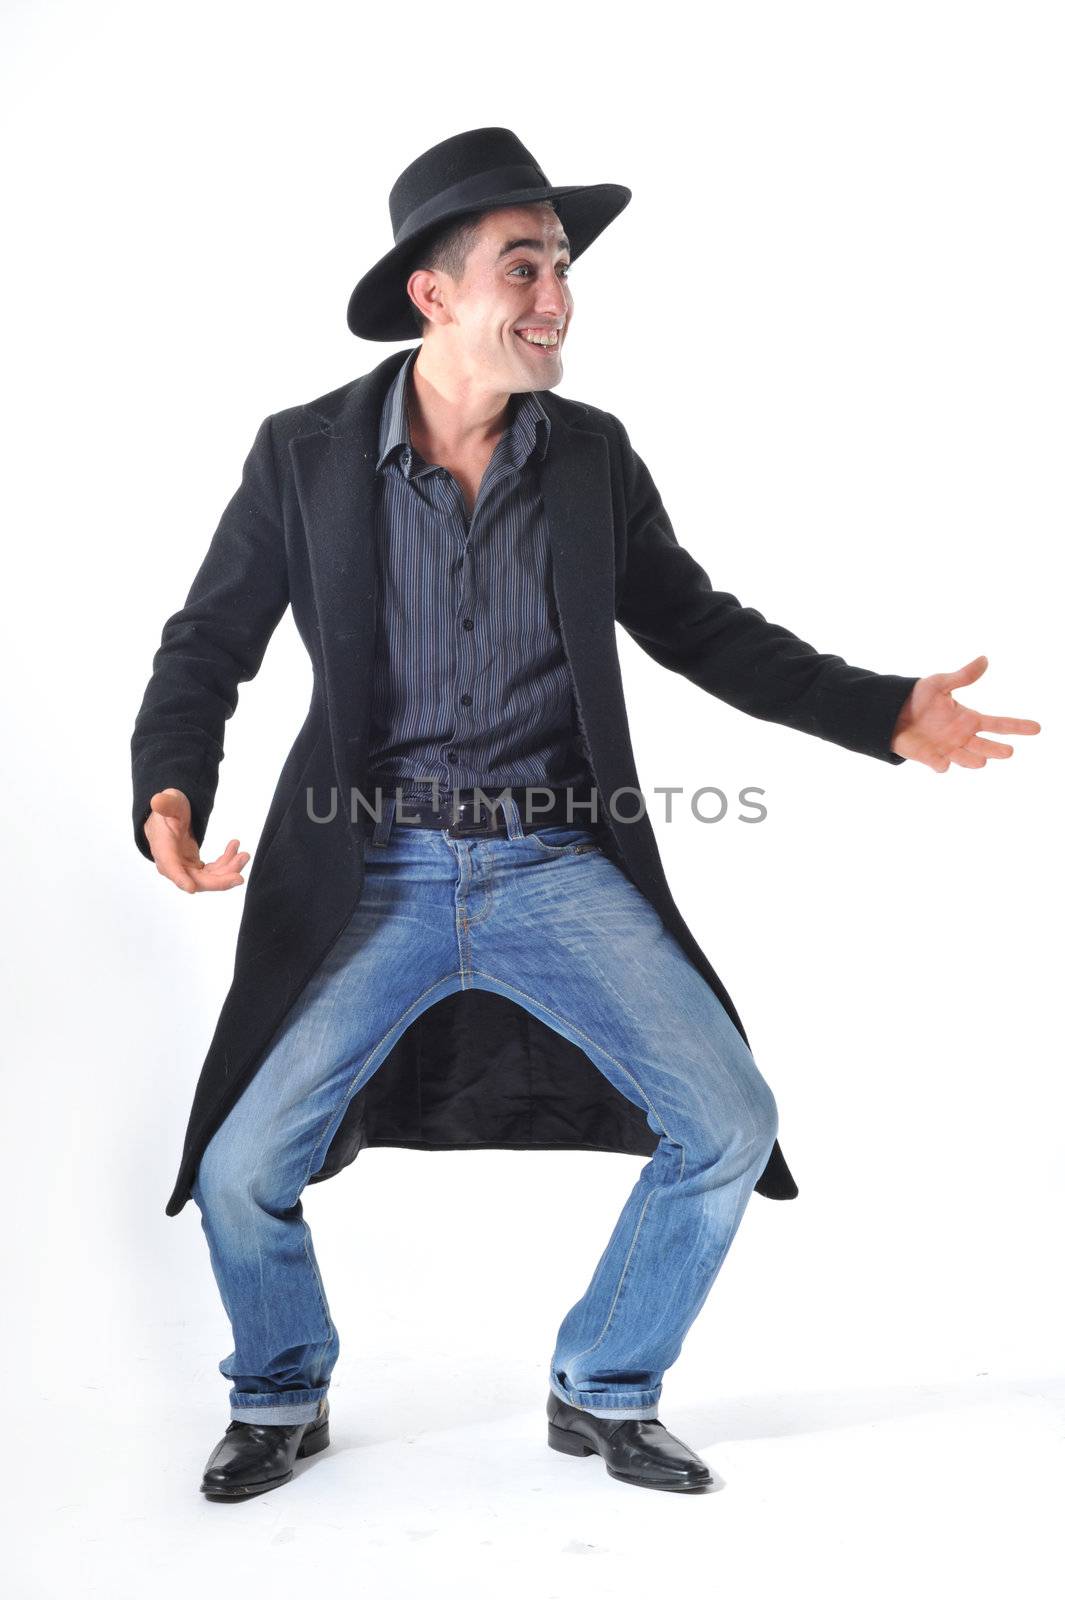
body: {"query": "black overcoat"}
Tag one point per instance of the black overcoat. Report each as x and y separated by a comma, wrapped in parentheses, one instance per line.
(475, 1070)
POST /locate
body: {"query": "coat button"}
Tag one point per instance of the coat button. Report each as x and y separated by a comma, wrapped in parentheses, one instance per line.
(467, 622)
(467, 699)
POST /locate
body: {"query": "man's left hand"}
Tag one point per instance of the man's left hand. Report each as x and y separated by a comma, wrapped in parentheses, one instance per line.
(933, 727)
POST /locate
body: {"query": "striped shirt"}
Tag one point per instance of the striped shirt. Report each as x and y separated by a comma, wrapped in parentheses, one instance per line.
(471, 684)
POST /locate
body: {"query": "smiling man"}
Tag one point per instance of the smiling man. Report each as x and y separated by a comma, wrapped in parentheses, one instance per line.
(508, 311)
(487, 953)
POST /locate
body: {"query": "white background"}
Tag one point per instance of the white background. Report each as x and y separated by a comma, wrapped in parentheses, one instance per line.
(831, 320)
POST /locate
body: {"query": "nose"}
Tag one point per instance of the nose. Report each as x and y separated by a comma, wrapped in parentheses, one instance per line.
(551, 302)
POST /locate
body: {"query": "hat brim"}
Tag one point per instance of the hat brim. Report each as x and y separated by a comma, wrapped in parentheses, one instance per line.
(380, 307)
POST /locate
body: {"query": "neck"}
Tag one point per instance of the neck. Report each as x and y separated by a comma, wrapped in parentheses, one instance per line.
(451, 414)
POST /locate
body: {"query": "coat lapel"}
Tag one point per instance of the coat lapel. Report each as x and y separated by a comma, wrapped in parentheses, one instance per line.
(577, 501)
(579, 506)
(337, 485)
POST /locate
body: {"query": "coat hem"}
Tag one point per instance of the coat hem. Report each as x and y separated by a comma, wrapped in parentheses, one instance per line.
(784, 1191)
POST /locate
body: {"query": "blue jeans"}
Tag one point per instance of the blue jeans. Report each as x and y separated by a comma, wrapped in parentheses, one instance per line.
(544, 917)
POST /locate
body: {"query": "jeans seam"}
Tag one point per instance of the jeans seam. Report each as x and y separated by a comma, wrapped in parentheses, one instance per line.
(558, 1016)
(489, 902)
(305, 1241)
(617, 1292)
(396, 1029)
(316, 1276)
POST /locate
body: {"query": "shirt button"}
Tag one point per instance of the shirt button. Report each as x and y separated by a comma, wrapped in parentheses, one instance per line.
(467, 699)
(467, 622)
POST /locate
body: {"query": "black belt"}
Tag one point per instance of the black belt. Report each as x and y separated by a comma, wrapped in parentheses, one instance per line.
(465, 811)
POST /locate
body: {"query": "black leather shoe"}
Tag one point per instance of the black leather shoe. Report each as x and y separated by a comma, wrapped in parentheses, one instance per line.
(252, 1457)
(636, 1450)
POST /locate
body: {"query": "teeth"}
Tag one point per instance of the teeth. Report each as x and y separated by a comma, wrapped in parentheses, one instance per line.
(538, 338)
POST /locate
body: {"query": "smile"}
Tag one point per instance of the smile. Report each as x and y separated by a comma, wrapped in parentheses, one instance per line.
(553, 340)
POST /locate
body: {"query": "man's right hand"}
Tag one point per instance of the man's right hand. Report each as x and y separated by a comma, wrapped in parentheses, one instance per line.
(169, 834)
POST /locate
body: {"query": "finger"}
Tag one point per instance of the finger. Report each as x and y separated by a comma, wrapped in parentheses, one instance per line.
(229, 881)
(196, 871)
(224, 861)
(178, 876)
(1008, 725)
(965, 758)
(968, 674)
(236, 864)
(226, 865)
(988, 747)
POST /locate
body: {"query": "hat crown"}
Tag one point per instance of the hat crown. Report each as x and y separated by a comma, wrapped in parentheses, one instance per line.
(479, 163)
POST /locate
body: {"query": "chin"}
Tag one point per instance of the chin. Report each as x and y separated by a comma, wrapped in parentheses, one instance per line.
(551, 375)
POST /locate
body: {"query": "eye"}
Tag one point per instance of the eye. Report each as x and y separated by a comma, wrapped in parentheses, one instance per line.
(524, 267)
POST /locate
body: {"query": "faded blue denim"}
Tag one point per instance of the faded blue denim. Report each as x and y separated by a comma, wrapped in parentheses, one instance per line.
(546, 918)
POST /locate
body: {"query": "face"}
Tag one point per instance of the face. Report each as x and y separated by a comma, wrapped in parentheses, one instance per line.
(515, 279)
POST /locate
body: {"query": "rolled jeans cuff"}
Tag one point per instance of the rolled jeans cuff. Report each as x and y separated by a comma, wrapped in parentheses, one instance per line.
(274, 1410)
(642, 1404)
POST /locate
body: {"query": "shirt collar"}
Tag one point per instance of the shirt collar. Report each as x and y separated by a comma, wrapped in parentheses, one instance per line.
(529, 430)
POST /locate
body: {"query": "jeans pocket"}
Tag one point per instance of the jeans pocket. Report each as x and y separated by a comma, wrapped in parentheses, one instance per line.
(564, 839)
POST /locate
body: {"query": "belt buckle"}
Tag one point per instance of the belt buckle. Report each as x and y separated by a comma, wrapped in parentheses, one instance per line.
(465, 822)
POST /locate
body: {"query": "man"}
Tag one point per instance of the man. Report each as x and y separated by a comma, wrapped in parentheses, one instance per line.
(429, 970)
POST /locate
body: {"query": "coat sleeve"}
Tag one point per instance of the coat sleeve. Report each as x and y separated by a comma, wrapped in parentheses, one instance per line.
(666, 601)
(214, 643)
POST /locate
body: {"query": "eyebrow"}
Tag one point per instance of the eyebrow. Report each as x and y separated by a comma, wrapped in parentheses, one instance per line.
(529, 244)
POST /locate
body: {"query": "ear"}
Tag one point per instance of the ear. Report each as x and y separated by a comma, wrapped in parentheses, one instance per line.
(423, 289)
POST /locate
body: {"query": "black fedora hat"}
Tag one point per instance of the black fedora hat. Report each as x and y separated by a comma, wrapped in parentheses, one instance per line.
(468, 173)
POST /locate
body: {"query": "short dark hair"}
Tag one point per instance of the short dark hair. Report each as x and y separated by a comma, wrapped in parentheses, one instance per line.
(447, 251)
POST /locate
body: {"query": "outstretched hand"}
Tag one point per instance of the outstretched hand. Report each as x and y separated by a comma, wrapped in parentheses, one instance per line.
(934, 728)
(169, 834)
